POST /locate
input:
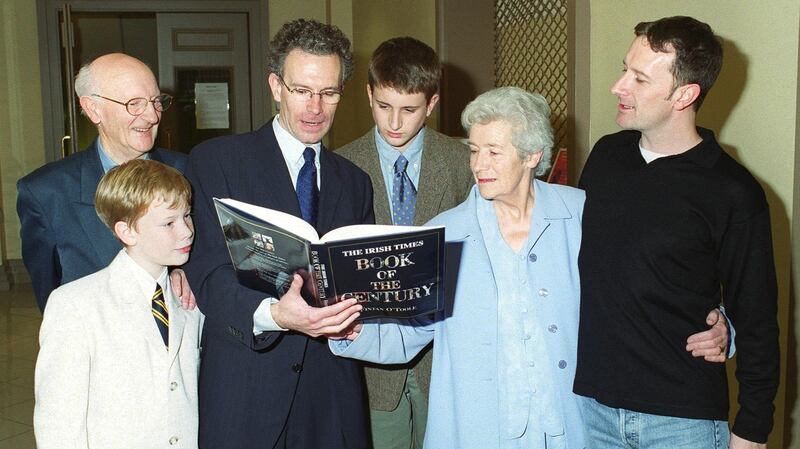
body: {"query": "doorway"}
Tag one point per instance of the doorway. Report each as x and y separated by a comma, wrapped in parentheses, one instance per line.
(204, 53)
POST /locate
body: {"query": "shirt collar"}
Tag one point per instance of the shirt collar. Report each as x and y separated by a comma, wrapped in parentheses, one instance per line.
(146, 282)
(706, 153)
(389, 154)
(291, 148)
(105, 159)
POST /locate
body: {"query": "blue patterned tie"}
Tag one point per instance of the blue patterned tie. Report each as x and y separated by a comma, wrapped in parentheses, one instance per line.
(160, 314)
(307, 191)
(404, 195)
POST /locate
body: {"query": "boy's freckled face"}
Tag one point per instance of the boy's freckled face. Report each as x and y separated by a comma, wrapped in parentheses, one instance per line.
(399, 116)
(163, 237)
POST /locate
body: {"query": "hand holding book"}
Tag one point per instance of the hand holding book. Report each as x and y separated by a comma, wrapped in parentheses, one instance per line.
(293, 312)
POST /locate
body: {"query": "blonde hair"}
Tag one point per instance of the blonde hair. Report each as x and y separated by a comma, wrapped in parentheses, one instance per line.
(126, 192)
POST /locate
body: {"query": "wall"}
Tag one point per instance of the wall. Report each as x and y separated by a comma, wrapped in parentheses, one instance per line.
(753, 107)
(21, 136)
(374, 21)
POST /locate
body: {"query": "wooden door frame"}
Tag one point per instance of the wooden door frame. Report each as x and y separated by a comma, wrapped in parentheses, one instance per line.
(50, 52)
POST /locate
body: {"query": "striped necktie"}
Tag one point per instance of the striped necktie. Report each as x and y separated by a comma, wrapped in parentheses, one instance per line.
(160, 314)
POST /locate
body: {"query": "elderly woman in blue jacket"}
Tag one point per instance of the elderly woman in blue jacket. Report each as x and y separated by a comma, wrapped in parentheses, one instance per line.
(504, 357)
(505, 346)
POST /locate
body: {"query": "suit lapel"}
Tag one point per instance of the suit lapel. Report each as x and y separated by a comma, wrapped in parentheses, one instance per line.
(266, 167)
(330, 190)
(370, 162)
(101, 238)
(177, 321)
(135, 303)
(430, 190)
(549, 207)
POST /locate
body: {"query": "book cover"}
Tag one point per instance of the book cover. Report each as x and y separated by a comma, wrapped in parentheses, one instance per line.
(393, 271)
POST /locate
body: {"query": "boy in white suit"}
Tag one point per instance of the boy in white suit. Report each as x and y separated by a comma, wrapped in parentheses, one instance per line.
(119, 357)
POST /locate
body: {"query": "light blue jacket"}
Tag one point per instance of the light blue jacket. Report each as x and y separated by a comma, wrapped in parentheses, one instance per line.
(463, 405)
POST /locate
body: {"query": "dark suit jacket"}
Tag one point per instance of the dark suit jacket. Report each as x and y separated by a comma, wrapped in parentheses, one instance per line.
(444, 182)
(62, 237)
(252, 386)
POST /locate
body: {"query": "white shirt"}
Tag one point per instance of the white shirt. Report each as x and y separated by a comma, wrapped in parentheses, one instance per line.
(292, 151)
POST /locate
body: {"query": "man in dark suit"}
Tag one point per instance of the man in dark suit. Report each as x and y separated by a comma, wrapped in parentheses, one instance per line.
(403, 89)
(266, 378)
(62, 237)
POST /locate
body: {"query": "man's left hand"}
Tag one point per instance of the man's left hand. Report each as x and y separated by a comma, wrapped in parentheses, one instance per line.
(741, 443)
(713, 343)
(181, 289)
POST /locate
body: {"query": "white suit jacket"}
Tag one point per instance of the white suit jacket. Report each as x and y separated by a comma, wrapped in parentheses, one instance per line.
(104, 378)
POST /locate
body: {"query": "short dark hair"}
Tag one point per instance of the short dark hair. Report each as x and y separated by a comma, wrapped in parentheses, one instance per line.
(406, 65)
(698, 51)
(311, 37)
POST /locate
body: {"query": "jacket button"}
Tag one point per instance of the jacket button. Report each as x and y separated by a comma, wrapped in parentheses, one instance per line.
(562, 364)
(552, 328)
(543, 292)
(173, 386)
(173, 440)
(297, 367)
(532, 257)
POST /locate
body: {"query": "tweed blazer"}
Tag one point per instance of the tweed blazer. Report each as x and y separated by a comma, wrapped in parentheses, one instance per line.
(103, 376)
(444, 182)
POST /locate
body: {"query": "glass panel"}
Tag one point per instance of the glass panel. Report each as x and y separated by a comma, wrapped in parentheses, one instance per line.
(201, 109)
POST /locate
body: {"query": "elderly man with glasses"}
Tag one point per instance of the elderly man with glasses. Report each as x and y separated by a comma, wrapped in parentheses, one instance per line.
(62, 237)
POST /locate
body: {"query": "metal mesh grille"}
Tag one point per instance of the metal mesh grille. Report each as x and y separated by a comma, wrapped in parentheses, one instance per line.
(531, 53)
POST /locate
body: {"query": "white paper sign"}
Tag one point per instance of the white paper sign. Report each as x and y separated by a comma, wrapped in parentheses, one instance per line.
(211, 106)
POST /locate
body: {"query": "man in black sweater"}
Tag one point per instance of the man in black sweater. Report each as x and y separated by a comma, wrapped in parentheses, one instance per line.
(672, 226)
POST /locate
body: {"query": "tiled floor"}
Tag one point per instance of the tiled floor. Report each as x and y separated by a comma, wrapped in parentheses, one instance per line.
(19, 344)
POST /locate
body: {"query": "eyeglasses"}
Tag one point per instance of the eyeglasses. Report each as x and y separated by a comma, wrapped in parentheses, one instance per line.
(328, 96)
(137, 106)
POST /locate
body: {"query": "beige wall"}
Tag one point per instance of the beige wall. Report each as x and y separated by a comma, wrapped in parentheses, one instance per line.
(21, 135)
(753, 106)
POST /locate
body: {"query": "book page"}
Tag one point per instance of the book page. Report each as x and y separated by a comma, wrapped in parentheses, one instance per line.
(359, 231)
(288, 222)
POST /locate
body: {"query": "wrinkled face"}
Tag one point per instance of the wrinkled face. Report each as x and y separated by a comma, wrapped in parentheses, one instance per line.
(399, 116)
(498, 170)
(124, 136)
(645, 89)
(307, 120)
(162, 237)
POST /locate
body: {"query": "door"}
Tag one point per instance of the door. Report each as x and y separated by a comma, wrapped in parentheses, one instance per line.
(203, 61)
(224, 45)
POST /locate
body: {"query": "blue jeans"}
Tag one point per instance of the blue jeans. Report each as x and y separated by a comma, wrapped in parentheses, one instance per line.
(617, 428)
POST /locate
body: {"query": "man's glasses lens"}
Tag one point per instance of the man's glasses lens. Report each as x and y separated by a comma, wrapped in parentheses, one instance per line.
(137, 106)
(303, 94)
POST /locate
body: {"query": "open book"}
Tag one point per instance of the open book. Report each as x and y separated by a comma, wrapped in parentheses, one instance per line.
(393, 271)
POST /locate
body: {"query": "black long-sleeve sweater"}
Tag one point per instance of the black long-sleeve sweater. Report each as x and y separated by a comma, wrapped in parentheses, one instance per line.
(663, 244)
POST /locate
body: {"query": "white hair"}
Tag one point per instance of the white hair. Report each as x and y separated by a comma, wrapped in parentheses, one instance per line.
(84, 81)
(526, 112)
